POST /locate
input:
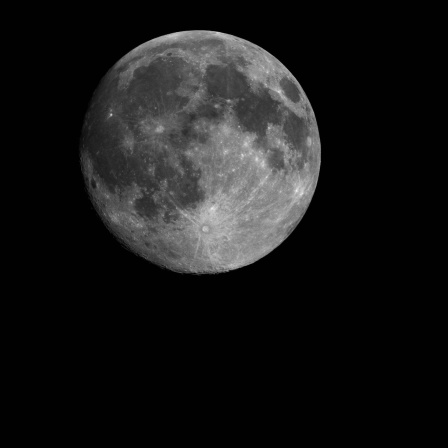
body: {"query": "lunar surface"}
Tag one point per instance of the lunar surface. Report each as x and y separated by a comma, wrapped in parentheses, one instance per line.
(200, 151)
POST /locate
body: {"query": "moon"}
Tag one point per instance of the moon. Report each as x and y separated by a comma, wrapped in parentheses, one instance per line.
(200, 152)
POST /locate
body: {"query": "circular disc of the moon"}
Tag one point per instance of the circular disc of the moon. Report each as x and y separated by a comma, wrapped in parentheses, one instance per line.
(200, 151)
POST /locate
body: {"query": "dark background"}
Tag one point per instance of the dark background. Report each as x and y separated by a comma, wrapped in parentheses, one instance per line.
(319, 317)
(321, 298)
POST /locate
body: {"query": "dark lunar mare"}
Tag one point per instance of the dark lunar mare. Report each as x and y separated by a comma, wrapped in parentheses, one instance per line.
(255, 109)
(291, 91)
(188, 131)
(152, 89)
(191, 45)
(276, 160)
(296, 130)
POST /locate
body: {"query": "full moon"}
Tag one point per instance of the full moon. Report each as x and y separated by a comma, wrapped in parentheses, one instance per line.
(200, 151)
